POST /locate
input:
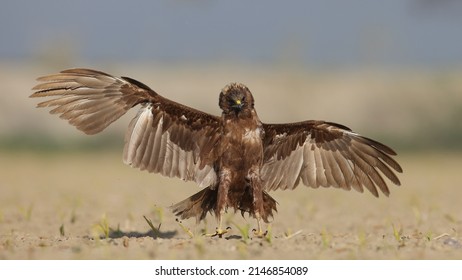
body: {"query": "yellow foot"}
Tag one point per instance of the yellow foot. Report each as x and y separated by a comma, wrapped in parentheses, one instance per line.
(259, 233)
(219, 232)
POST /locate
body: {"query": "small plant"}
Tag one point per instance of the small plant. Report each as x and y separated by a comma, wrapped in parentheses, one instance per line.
(325, 238)
(73, 216)
(27, 212)
(156, 231)
(103, 227)
(362, 238)
(429, 235)
(269, 234)
(185, 229)
(398, 234)
(73, 203)
(7, 244)
(244, 231)
(61, 230)
(116, 233)
(159, 213)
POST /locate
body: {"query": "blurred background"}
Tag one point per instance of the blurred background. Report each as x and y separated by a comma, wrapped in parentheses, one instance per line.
(388, 69)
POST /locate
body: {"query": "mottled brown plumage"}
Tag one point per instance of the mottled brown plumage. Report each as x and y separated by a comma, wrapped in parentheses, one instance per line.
(236, 158)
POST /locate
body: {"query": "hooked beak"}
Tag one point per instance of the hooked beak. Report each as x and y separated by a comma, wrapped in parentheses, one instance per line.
(237, 106)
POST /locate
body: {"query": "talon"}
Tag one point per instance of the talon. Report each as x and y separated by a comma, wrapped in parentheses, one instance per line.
(219, 232)
(259, 233)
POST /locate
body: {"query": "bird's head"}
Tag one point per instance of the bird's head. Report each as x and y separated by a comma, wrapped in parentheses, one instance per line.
(236, 98)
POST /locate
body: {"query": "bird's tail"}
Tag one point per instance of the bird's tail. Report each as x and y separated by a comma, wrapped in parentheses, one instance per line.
(197, 205)
(269, 205)
(205, 201)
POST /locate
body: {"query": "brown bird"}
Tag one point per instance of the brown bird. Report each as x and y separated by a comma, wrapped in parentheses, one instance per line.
(234, 157)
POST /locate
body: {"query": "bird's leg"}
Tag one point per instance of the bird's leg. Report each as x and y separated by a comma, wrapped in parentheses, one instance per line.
(220, 231)
(257, 193)
(259, 232)
(222, 202)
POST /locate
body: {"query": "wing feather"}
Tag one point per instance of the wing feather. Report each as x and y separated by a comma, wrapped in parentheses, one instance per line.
(149, 145)
(164, 155)
(294, 171)
(164, 137)
(321, 179)
(331, 156)
(336, 173)
(75, 94)
(309, 171)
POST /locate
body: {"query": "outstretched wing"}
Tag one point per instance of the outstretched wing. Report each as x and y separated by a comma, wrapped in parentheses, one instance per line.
(325, 154)
(165, 137)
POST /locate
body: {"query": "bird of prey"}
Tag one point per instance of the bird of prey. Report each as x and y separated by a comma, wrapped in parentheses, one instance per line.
(236, 158)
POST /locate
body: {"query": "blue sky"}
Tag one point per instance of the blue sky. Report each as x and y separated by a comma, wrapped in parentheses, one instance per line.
(328, 33)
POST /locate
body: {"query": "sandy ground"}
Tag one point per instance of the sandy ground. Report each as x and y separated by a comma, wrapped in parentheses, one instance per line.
(91, 206)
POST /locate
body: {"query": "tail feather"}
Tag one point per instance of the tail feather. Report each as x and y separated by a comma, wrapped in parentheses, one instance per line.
(205, 201)
(197, 205)
(269, 205)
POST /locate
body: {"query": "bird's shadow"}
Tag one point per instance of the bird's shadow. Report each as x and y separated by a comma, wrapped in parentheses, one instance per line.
(233, 237)
(137, 234)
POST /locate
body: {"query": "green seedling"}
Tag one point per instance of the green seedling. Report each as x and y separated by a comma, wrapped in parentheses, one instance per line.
(325, 238)
(7, 244)
(155, 230)
(73, 216)
(362, 238)
(116, 233)
(185, 229)
(244, 231)
(103, 227)
(61, 230)
(269, 234)
(159, 212)
(398, 234)
(27, 212)
(73, 203)
(429, 235)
